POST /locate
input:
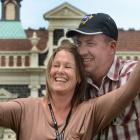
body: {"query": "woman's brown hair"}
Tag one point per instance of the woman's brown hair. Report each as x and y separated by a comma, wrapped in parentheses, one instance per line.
(81, 85)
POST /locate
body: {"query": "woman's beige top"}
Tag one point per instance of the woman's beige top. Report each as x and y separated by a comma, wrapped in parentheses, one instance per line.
(28, 118)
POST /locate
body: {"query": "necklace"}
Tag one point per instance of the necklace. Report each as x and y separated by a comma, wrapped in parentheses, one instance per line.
(59, 135)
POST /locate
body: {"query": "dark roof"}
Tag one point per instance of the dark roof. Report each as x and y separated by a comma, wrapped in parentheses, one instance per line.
(25, 44)
(129, 41)
(14, 45)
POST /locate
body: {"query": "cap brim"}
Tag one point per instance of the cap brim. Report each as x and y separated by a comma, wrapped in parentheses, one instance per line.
(74, 32)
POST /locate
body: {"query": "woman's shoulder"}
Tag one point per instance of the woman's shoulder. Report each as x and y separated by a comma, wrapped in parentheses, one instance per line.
(29, 101)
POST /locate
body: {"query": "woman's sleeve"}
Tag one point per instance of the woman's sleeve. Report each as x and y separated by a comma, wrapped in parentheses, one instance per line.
(111, 104)
(10, 114)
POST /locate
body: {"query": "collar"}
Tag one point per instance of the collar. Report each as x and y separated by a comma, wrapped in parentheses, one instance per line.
(114, 71)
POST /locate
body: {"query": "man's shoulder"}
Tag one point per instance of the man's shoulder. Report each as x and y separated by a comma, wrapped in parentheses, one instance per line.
(127, 66)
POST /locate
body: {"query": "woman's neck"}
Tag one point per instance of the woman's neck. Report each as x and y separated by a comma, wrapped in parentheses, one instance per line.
(61, 105)
(61, 102)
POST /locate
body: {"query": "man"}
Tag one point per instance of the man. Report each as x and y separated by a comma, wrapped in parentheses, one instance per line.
(96, 39)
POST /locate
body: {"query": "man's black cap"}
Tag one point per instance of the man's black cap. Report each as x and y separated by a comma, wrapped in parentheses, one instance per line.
(96, 24)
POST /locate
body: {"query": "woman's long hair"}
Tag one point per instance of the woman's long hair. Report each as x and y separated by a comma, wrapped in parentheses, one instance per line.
(80, 73)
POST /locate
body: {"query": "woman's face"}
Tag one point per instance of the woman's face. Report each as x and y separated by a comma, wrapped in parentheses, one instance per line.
(63, 73)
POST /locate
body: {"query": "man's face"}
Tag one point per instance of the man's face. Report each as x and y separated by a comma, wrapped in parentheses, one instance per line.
(96, 53)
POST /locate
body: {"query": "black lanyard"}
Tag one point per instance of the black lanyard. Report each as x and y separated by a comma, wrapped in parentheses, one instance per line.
(59, 135)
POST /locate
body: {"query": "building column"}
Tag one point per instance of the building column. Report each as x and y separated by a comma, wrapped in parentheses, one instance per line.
(34, 59)
(50, 45)
(34, 84)
(6, 61)
(14, 61)
(34, 90)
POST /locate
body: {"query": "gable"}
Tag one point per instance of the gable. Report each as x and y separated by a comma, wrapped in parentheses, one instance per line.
(65, 10)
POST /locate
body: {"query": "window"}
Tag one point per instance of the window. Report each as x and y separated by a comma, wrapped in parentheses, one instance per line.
(3, 61)
(19, 63)
(57, 34)
(11, 61)
(27, 61)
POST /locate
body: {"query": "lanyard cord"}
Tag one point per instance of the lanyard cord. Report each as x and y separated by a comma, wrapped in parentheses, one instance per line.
(59, 135)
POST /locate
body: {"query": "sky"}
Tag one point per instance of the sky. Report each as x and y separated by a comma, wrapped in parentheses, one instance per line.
(126, 13)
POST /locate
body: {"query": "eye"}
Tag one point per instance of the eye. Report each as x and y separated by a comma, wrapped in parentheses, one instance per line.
(68, 67)
(91, 43)
(55, 65)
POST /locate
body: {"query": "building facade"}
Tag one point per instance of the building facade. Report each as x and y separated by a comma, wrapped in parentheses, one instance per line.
(24, 53)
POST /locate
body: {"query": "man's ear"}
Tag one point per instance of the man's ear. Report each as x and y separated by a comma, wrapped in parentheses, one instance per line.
(113, 45)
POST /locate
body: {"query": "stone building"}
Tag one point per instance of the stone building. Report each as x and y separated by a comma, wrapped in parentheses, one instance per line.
(24, 53)
(21, 53)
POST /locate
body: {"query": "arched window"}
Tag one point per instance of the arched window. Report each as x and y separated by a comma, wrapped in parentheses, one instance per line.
(27, 61)
(3, 61)
(11, 61)
(19, 61)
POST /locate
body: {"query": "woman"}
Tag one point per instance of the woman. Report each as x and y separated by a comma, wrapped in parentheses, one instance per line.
(62, 114)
